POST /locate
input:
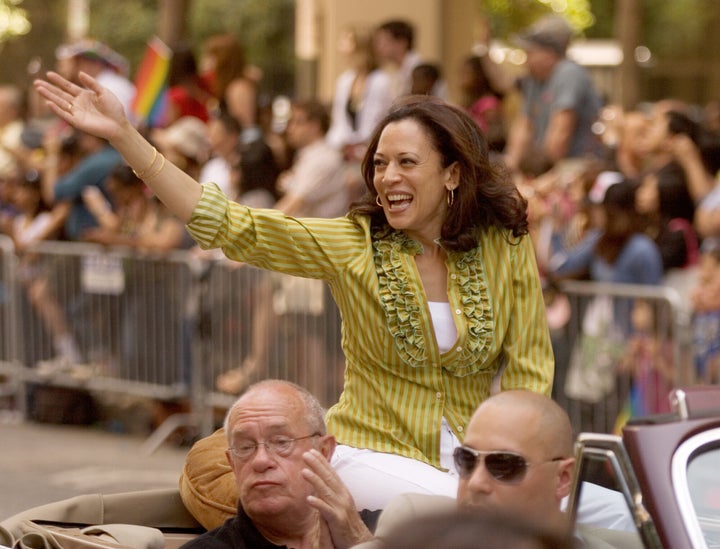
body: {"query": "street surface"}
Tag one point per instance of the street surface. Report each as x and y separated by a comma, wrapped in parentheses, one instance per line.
(41, 463)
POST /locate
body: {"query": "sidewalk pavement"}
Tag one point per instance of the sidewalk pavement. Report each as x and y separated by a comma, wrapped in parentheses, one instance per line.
(42, 463)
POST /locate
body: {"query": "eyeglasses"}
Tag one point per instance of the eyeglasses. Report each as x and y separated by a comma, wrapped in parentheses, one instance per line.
(278, 445)
(507, 467)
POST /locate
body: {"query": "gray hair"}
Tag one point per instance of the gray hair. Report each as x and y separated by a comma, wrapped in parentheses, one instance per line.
(314, 411)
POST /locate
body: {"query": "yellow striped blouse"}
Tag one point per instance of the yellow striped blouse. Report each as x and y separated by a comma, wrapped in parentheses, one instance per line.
(398, 385)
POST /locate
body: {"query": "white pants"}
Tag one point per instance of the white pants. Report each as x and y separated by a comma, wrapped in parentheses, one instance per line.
(374, 478)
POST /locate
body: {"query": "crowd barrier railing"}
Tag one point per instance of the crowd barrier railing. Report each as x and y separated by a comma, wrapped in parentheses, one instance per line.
(177, 329)
(12, 388)
(621, 351)
(167, 327)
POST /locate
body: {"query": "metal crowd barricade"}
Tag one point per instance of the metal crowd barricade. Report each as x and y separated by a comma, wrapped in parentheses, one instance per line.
(12, 388)
(126, 316)
(622, 350)
(254, 325)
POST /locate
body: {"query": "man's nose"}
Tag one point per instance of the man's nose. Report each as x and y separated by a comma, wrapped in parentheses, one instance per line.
(480, 480)
(262, 458)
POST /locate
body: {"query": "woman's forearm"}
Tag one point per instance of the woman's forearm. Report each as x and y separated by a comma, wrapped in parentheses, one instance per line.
(176, 189)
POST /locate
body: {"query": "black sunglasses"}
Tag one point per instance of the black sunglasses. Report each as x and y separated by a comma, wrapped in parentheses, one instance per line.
(507, 467)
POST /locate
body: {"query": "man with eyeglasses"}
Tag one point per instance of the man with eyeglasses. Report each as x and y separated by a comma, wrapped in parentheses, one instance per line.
(516, 459)
(289, 496)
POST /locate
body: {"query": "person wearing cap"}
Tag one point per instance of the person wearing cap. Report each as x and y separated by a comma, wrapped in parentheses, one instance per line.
(101, 62)
(560, 103)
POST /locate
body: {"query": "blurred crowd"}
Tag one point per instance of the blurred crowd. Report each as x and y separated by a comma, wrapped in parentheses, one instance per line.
(614, 195)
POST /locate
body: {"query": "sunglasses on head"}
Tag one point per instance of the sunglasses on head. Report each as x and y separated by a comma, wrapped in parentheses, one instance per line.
(507, 467)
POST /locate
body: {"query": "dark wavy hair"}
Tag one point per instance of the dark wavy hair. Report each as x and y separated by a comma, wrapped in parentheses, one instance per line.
(485, 196)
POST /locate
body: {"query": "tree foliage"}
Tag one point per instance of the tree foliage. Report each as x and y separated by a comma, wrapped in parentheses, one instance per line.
(13, 20)
(510, 16)
(264, 27)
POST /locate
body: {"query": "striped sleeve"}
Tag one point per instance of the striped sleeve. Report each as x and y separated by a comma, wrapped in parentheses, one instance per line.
(312, 247)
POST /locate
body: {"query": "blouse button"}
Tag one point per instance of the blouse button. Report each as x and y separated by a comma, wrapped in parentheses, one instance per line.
(438, 395)
(453, 276)
(459, 349)
(458, 311)
(460, 429)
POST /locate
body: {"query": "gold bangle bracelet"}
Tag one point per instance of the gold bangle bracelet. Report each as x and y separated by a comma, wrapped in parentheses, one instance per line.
(143, 173)
(156, 172)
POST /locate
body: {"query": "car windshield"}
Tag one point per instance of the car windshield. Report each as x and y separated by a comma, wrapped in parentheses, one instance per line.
(704, 487)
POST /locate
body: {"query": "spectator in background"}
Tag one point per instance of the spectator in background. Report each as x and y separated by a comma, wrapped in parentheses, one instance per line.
(36, 222)
(425, 77)
(11, 127)
(394, 43)
(255, 171)
(184, 143)
(483, 101)
(627, 149)
(560, 103)
(188, 94)
(223, 135)
(705, 298)
(672, 144)
(92, 171)
(9, 181)
(131, 218)
(233, 82)
(102, 63)
(312, 187)
(664, 199)
(616, 249)
(361, 97)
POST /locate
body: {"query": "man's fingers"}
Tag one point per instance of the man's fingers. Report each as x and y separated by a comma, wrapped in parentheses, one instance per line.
(320, 466)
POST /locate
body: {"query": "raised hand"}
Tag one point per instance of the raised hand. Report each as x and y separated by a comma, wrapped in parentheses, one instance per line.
(93, 109)
(334, 502)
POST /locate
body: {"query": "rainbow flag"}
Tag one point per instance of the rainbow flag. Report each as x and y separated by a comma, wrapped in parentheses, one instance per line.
(149, 106)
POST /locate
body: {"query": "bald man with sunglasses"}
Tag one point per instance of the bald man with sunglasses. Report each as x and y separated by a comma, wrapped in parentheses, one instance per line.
(516, 459)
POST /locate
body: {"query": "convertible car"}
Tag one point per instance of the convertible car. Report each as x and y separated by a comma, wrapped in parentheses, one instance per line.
(668, 469)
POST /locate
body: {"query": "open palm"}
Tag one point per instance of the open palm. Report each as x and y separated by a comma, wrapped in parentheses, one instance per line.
(93, 109)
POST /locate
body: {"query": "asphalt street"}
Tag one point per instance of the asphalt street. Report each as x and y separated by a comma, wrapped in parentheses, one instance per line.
(42, 463)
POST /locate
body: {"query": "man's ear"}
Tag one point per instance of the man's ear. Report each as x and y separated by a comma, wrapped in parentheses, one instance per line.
(565, 477)
(231, 462)
(327, 446)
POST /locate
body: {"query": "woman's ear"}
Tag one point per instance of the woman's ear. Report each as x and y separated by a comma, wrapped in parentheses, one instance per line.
(452, 179)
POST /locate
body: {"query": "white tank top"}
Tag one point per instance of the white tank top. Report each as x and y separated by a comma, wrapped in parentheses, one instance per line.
(442, 319)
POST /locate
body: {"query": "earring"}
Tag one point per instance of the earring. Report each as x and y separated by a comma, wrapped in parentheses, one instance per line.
(450, 197)
(377, 200)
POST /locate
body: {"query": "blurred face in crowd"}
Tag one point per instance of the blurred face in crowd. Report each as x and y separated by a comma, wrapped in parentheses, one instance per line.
(657, 137)
(388, 48)
(301, 131)
(540, 61)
